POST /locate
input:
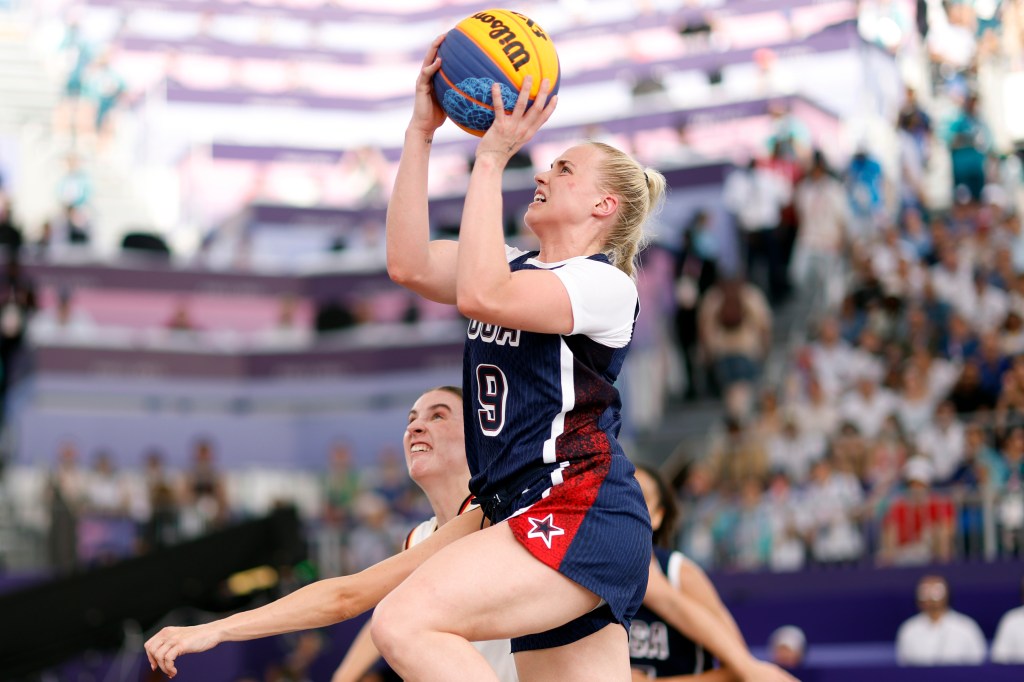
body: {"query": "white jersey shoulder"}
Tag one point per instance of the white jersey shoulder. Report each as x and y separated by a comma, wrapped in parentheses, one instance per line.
(603, 298)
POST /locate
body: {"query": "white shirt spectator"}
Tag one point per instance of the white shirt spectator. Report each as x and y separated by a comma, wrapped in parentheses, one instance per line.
(831, 366)
(756, 197)
(795, 452)
(954, 639)
(953, 286)
(828, 507)
(943, 446)
(868, 410)
(1008, 645)
(988, 313)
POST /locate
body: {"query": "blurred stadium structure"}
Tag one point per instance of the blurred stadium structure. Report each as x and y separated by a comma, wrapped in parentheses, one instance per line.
(196, 189)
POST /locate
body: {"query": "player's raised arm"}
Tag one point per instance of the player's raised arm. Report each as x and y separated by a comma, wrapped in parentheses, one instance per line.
(319, 604)
(415, 262)
(487, 291)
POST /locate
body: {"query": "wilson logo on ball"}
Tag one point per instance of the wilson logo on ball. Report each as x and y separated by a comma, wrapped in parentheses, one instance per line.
(493, 46)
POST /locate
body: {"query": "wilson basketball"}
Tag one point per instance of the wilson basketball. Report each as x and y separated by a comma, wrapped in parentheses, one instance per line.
(494, 46)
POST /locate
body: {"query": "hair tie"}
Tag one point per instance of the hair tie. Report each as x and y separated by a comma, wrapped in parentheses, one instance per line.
(647, 180)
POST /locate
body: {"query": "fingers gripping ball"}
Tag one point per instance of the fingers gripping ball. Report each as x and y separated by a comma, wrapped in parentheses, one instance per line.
(494, 46)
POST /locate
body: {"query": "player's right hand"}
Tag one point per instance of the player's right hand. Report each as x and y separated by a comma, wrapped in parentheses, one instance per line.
(427, 114)
(166, 646)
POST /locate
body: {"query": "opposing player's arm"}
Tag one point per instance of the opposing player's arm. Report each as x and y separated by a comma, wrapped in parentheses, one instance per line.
(719, 675)
(317, 605)
(359, 658)
(692, 580)
(414, 261)
(699, 624)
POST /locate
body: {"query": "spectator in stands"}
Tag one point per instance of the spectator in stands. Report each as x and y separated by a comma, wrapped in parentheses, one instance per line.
(1008, 643)
(376, 536)
(735, 325)
(831, 504)
(162, 503)
(62, 324)
(1010, 506)
(72, 229)
(10, 233)
(17, 306)
(756, 196)
(65, 491)
(992, 365)
(785, 515)
(816, 414)
(736, 456)
(828, 358)
(696, 270)
(792, 452)
(970, 142)
(749, 527)
(866, 192)
(886, 456)
(868, 406)
(787, 646)
(335, 315)
(919, 524)
(816, 266)
(105, 492)
(105, 88)
(74, 189)
(205, 495)
(914, 404)
(938, 635)
(286, 332)
(942, 442)
(342, 485)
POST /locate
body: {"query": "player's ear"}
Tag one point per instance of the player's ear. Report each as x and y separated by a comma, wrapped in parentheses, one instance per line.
(606, 206)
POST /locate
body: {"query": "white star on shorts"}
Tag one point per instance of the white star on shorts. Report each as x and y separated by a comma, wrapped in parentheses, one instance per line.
(544, 529)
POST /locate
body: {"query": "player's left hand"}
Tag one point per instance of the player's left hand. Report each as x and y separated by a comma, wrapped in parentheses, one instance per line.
(166, 646)
(512, 129)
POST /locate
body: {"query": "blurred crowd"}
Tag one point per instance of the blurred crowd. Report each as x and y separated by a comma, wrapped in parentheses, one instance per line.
(891, 432)
(97, 513)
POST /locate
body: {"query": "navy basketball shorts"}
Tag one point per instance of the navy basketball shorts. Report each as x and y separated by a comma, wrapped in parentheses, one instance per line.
(594, 529)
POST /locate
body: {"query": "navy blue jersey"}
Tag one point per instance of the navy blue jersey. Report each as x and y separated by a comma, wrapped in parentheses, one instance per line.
(536, 403)
(656, 645)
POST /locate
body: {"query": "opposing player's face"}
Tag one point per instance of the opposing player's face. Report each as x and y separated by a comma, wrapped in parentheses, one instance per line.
(568, 191)
(435, 443)
(652, 497)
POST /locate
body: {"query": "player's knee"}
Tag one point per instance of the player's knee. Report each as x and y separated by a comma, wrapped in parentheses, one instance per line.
(393, 627)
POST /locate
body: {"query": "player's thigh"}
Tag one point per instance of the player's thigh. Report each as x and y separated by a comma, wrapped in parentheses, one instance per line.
(600, 657)
(485, 586)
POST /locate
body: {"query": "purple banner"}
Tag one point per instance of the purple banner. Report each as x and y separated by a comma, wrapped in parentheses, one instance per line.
(159, 364)
(842, 36)
(626, 124)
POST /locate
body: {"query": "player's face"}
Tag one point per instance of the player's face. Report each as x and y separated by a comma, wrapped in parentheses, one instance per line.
(652, 497)
(435, 443)
(567, 192)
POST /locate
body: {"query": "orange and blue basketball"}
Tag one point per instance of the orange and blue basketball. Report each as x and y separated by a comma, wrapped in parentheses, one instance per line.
(494, 46)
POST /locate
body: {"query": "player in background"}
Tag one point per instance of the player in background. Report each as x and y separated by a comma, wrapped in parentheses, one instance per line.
(657, 649)
(435, 455)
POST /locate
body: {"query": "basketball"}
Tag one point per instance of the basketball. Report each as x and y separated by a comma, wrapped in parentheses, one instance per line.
(495, 45)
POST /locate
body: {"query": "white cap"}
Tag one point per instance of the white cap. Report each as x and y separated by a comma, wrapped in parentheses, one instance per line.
(789, 636)
(918, 469)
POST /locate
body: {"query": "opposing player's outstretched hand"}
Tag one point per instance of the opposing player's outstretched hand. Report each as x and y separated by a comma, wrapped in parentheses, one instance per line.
(511, 130)
(767, 672)
(427, 114)
(166, 646)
